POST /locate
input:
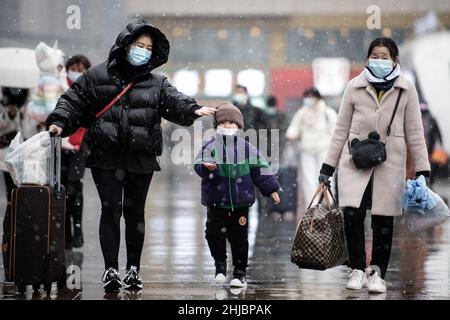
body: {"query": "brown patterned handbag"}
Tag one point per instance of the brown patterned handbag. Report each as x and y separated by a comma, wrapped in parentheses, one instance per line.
(320, 239)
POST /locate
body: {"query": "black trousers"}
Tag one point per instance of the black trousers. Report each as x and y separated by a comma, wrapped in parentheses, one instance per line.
(119, 194)
(382, 227)
(72, 172)
(222, 224)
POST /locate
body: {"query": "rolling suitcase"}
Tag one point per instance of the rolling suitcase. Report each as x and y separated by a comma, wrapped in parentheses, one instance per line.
(36, 247)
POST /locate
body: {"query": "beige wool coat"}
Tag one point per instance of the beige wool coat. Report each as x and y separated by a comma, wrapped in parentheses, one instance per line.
(360, 113)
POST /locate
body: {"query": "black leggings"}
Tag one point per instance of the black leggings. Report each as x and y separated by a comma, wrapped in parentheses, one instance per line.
(111, 188)
(382, 227)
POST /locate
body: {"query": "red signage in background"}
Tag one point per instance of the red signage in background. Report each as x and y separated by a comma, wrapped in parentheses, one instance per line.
(289, 83)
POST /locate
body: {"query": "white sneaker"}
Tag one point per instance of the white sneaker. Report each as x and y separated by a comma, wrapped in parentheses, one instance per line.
(238, 291)
(357, 280)
(220, 278)
(375, 284)
(238, 282)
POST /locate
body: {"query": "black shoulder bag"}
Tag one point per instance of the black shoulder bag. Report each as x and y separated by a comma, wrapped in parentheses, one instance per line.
(371, 152)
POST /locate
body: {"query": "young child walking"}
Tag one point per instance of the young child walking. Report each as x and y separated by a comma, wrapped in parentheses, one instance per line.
(230, 167)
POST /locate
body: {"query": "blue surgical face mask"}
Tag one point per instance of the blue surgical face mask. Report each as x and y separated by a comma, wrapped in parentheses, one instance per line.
(380, 67)
(139, 56)
(240, 98)
(309, 102)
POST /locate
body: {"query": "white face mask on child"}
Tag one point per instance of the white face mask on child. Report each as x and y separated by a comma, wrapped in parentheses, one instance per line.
(227, 131)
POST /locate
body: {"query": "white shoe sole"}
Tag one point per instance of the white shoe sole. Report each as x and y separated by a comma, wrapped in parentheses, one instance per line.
(356, 287)
(220, 278)
(377, 290)
(237, 291)
(236, 283)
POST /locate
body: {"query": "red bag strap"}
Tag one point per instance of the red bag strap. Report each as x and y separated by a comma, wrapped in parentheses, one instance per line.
(98, 115)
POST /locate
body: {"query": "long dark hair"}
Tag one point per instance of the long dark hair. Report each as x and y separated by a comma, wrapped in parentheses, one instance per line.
(384, 42)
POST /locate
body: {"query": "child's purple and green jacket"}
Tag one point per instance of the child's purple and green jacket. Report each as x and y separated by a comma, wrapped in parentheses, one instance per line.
(239, 168)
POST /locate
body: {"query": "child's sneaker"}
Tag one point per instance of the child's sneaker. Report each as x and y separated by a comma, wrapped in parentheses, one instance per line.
(221, 272)
(239, 280)
(111, 280)
(238, 291)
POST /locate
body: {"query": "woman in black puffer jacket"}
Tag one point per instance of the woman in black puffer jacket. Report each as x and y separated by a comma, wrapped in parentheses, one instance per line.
(121, 146)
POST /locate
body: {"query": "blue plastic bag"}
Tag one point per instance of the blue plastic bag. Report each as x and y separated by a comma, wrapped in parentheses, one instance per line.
(422, 208)
(416, 195)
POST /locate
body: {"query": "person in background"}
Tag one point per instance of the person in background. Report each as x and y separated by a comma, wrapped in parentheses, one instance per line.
(254, 118)
(276, 120)
(76, 65)
(313, 124)
(433, 136)
(73, 166)
(287, 176)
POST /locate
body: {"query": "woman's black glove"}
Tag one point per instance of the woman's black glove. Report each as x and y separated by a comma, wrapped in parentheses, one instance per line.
(323, 178)
(326, 172)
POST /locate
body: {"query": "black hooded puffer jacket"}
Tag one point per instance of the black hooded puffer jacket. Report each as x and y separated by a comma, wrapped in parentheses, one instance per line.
(128, 136)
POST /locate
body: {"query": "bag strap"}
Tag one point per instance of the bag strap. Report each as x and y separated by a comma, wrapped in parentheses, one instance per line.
(394, 112)
(316, 193)
(98, 115)
(323, 190)
(332, 195)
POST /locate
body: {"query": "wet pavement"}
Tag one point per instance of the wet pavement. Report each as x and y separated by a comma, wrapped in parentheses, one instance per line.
(176, 263)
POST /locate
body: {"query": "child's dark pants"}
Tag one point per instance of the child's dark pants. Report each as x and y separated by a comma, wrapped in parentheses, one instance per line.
(222, 224)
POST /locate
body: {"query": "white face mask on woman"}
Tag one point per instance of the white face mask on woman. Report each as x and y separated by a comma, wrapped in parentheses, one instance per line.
(73, 75)
(227, 131)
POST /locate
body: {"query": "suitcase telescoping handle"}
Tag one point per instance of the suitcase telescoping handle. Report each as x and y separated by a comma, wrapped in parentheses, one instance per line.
(55, 162)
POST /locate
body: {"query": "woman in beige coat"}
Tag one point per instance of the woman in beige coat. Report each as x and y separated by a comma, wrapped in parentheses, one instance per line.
(367, 105)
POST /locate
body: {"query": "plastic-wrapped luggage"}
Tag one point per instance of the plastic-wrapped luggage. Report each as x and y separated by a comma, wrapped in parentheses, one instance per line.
(33, 252)
(28, 162)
